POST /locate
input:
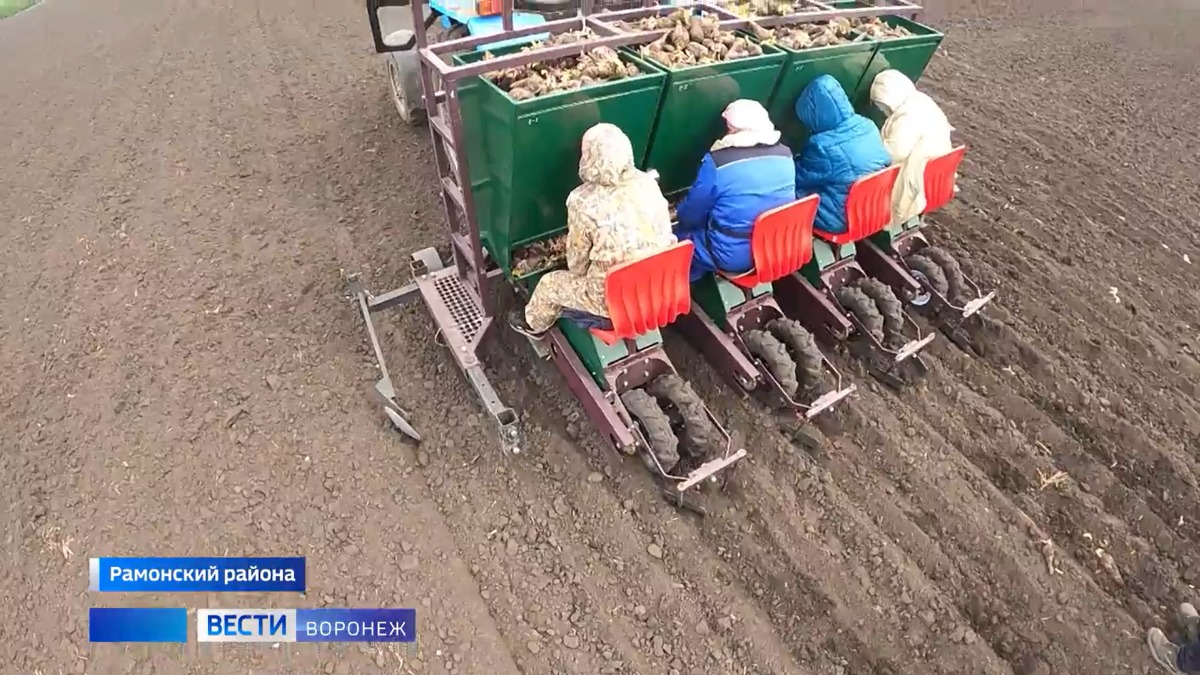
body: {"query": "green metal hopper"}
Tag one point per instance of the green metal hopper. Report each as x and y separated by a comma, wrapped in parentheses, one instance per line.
(846, 63)
(909, 55)
(689, 118)
(523, 156)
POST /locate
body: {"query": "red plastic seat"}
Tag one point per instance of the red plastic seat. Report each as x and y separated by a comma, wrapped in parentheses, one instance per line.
(781, 242)
(940, 174)
(648, 293)
(868, 207)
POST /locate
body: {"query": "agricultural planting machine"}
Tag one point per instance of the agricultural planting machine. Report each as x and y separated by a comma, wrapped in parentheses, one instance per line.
(507, 147)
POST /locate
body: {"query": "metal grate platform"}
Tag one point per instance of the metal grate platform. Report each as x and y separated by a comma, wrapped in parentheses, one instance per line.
(460, 303)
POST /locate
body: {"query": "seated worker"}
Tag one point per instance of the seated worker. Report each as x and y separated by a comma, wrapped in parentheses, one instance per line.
(745, 173)
(617, 215)
(843, 147)
(915, 132)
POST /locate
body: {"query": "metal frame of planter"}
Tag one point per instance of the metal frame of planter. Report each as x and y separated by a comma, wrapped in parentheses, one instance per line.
(460, 292)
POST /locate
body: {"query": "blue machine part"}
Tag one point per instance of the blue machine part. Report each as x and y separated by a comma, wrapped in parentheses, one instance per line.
(490, 25)
(462, 12)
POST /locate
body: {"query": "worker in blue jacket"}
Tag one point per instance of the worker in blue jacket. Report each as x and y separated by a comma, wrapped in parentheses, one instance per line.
(843, 147)
(745, 173)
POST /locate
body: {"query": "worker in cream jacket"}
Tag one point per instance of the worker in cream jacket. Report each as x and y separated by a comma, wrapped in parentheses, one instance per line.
(915, 132)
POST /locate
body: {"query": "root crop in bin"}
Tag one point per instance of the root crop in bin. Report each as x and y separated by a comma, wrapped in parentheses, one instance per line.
(827, 34)
(691, 40)
(757, 8)
(566, 74)
(540, 256)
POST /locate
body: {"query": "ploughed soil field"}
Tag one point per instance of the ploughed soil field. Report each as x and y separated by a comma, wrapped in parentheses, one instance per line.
(184, 184)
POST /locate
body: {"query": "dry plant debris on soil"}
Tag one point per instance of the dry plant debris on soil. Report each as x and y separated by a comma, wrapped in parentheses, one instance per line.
(539, 256)
(691, 40)
(827, 34)
(566, 74)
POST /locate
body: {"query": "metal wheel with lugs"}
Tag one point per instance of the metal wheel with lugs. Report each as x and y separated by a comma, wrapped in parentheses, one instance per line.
(655, 426)
(774, 355)
(956, 283)
(700, 436)
(803, 349)
(863, 308)
(889, 306)
(927, 272)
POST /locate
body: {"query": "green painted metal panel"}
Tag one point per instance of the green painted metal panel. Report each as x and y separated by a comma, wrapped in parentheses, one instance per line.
(713, 296)
(689, 117)
(845, 63)
(595, 355)
(884, 238)
(717, 296)
(824, 255)
(909, 55)
(524, 155)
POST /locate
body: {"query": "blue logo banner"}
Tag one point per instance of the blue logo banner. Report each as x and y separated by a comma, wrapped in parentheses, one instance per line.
(356, 625)
(137, 624)
(184, 575)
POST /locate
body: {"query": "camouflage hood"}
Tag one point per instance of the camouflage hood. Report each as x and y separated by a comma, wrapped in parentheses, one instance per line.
(618, 210)
(606, 157)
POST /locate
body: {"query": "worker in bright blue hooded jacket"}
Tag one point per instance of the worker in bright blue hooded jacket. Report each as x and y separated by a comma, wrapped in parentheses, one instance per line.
(844, 146)
(745, 173)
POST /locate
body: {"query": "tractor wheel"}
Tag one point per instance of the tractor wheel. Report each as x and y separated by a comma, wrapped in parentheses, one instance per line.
(889, 306)
(439, 33)
(928, 272)
(405, 80)
(863, 309)
(700, 437)
(803, 348)
(774, 354)
(956, 283)
(655, 426)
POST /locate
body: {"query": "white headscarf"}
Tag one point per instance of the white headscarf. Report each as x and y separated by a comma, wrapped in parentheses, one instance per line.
(749, 125)
(890, 89)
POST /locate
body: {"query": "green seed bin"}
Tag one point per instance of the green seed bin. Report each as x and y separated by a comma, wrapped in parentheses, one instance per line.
(846, 63)
(909, 55)
(689, 117)
(524, 155)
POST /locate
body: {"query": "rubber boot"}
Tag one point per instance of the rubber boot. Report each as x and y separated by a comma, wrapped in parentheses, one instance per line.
(1163, 650)
(516, 321)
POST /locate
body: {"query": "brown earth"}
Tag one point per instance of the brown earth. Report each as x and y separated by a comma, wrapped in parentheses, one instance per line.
(184, 183)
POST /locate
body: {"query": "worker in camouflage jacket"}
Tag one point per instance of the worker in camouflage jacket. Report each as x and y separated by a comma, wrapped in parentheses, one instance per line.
(915, 132)
(617, 215)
